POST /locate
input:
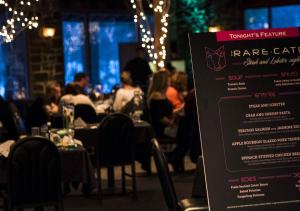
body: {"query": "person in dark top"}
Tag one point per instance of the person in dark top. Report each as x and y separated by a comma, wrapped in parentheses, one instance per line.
(9, 128)
(161, 110)
(53, 94)
(170, 67)
(38, 112)
(82, 80)
(188, 137)
(139, 69)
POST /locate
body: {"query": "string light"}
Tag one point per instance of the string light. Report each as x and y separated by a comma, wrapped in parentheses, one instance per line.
(156, 53)
(18, 19)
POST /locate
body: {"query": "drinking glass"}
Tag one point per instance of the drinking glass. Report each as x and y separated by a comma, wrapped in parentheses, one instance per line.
(71, 134)
(68, 116)
(35, 131)
(136, 116)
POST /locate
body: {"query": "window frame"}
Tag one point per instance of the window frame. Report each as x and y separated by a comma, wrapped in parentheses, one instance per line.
(269, 9)
(86, 17)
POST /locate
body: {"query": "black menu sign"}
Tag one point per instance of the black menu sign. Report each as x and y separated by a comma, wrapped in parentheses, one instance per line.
(248, 95)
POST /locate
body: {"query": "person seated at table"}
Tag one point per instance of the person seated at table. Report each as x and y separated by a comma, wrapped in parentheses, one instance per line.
(74, 96)
(38, 113)
(161, 110)
(125, 94)
(9, 129)
(82, 80)
(53, 93)
(177, 90)
(187, 137)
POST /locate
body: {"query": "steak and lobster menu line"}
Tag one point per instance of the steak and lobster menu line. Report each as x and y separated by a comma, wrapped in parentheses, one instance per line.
(248, 91)
(263, 134)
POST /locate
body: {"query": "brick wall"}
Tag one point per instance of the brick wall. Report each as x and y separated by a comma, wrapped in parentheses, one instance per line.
(45, 60)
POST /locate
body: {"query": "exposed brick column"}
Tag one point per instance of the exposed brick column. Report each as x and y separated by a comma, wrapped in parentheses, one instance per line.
(45, 58)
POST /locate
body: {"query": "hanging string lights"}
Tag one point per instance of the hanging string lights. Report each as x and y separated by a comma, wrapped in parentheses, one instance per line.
(154, 45)
(20, 17)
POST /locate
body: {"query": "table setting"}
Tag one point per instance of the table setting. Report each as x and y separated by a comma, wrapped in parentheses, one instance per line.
(75, 161)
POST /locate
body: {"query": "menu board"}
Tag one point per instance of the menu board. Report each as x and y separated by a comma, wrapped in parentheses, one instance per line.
(248, 97)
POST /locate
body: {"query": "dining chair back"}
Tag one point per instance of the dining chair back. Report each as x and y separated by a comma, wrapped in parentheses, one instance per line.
(86, 112)
(195, 204)
(116, 146)
(164, 177)
(34, 177)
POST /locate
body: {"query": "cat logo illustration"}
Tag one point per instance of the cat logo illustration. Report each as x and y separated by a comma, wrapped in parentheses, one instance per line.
(215, 59)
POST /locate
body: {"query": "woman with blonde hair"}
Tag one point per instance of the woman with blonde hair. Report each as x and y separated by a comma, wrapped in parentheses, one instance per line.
(125, 94)
(160, 108)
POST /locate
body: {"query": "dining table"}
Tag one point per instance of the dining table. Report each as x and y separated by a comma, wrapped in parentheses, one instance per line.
(76, 167)
(143, 133)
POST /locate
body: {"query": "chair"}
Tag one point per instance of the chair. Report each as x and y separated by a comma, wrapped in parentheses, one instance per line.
(168, 187)
(2, 196)
(86, 112)
(34, 176)
(168, 145)
(116, 147)
(7, 117)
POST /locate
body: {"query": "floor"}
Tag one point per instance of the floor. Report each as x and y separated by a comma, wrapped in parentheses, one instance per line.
(150, 196)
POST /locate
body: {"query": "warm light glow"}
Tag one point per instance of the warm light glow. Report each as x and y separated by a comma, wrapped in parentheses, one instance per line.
(156, 53)
(214, 28)
(48, 32)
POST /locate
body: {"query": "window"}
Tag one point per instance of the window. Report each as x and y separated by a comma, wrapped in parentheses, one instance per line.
(103, 56)
(256, 18)
(73, 42)
(13, 68)
(275, 17)
(104, 39)
(3, 74)
(286, 16)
